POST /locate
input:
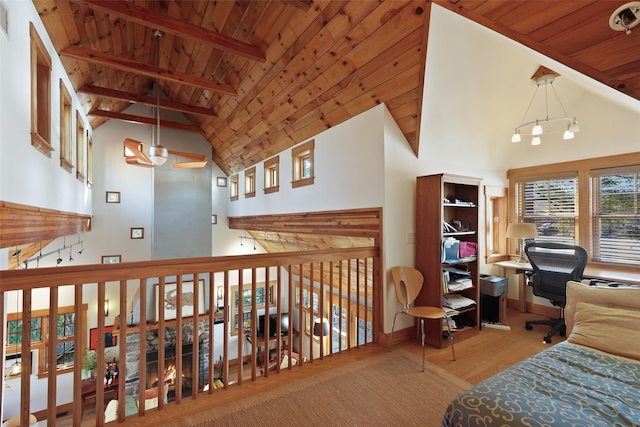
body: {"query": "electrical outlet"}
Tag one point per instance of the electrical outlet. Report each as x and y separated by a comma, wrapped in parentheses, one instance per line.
(411, 238)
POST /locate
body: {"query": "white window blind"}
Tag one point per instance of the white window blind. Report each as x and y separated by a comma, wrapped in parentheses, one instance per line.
(615, 215)
(551, 205)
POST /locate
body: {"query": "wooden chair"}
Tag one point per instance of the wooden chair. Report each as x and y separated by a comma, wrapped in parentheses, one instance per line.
(408, 283)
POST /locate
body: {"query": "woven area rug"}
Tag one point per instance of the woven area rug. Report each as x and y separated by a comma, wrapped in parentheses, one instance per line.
(388, 389)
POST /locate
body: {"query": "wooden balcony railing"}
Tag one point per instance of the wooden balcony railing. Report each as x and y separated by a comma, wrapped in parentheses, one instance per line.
(340, 285)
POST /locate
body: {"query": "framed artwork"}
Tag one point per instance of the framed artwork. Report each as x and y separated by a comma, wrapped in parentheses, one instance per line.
(113, 197)
(111, 259)
(214, 219)
(222, 181)
(137, 233)
(110, 340)
(168, 301)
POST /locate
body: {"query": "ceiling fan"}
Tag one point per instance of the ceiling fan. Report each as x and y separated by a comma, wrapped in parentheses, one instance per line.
(140, 154)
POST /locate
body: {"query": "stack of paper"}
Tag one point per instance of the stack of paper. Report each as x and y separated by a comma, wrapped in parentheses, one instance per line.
(457, 301)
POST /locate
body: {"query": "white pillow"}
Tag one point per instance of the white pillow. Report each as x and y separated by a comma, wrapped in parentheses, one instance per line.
(613, 330)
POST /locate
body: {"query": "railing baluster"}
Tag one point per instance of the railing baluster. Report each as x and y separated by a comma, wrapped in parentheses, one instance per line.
(52, 353)
(321, 311)
(195, 355)
(79, 342)
(142, 370)
(178, 347)
(225, 338)
(161, 346)
(25, 378)
(300, 315)
(349, 284)
(267, 323)
(254, 325)
(212, 311)
(240, 328)
(100, 353)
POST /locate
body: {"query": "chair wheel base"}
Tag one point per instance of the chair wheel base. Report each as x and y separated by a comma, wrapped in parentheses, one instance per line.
(528, 327)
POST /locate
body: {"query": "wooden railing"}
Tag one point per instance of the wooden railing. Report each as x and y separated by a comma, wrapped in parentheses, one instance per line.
(357, 270)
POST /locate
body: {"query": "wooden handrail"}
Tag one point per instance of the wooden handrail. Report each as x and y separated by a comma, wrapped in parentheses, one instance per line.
(366, 283)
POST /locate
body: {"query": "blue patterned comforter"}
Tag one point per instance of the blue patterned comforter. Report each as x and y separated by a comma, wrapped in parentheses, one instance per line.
(564, 385)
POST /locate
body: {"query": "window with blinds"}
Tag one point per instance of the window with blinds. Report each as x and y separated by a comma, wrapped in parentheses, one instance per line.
(616, 215)
(551, 205)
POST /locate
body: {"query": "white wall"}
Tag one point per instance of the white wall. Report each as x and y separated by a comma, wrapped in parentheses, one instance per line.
(348, 168)
(46, 184)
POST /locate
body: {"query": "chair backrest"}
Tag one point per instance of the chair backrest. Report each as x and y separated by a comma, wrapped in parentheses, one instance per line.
(554, 264)
(408, 282)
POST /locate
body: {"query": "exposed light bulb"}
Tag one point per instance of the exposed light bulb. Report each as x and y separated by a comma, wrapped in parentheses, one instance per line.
(536, 140)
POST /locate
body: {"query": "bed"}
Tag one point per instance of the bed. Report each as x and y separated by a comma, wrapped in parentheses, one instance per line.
(591, 379)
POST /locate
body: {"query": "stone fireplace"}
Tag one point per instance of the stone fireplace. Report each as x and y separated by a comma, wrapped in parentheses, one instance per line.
(133, 386)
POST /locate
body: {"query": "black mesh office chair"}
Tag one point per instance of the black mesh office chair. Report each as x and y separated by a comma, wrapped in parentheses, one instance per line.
(554, 264)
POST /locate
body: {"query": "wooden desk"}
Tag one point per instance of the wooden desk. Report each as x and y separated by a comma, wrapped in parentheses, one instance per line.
(514, 267)
(89, 390)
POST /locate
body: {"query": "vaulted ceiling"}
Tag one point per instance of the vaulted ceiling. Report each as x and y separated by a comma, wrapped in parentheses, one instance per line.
(256, 77)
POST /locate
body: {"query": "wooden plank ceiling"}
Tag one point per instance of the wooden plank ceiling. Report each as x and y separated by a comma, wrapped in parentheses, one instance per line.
(258, 76)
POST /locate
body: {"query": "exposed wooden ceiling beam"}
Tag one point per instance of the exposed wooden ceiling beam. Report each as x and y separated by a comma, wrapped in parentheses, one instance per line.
(130, 118)
(146, 100)
(148, 70)
(158, 21)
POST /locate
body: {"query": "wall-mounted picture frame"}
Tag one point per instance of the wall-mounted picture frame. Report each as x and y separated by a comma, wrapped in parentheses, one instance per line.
(111, 259)
(214, 219)
(110, 340)
(169, 300)
(222, 181)
(113, 197)
(137, 233)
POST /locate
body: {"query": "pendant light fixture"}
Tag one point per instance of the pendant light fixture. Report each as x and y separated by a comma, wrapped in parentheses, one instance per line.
(544, 78)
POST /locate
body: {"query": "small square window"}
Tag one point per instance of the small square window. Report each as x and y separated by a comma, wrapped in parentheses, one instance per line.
(271, 175)
(302, 157)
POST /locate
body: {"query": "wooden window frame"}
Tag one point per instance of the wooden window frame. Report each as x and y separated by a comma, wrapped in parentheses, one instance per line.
(496, 215)
(247, 289)
(272, 175)
(250, 182)
(40, 95)
(601, 246)
(80, 148)
(89, 160)
(42, 345)
(298, 156)
(66, 115)
(584, 216)
(233, 188)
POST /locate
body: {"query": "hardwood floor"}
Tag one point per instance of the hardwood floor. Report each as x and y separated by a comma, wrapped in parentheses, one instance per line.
(476, 359)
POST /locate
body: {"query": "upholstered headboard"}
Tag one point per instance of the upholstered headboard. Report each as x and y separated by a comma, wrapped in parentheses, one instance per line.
(618, 297)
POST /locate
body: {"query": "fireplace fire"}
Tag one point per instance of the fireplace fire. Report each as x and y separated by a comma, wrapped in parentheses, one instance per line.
(170, 372)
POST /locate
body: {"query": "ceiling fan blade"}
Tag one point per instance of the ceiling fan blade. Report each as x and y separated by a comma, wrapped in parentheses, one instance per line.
(134, 155)
(199, 160)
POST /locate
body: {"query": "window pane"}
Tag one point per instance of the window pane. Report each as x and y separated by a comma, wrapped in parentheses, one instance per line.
(306, 167)
(616, 218)
(551, 206)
